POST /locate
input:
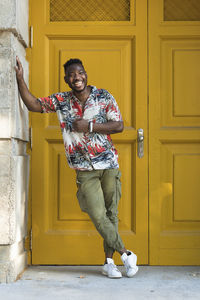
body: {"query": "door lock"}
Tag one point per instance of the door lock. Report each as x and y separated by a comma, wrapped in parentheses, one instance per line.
(140, 140)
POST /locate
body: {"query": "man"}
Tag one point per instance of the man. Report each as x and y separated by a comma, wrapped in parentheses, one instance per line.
(87, 117)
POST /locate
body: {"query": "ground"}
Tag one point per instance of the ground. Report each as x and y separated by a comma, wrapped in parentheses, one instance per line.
(87, 283)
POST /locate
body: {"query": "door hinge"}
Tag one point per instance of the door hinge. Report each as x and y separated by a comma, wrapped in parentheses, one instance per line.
(31, 37)
(31, 237)
(31, 137)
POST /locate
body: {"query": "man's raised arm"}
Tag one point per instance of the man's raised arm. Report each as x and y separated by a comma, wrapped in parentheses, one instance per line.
(29, 100)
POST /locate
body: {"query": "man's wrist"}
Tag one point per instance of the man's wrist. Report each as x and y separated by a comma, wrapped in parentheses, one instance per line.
(90, 126)
(20, 80)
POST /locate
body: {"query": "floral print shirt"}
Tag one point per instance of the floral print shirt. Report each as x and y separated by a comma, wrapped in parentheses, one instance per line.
(85, 151)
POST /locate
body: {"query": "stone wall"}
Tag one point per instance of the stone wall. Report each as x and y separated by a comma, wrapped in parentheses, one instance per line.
(14, 162)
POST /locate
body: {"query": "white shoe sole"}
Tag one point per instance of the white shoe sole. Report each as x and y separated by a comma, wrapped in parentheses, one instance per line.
(113, 277)
(135, 271)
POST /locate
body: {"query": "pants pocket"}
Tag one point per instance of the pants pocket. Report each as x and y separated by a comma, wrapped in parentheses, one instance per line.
(80, 196)
(118, 187)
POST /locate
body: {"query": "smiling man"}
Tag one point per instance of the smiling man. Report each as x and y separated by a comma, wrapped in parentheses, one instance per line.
(87, 117)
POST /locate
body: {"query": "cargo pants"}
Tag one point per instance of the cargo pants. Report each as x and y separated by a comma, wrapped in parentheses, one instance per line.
(99, 192)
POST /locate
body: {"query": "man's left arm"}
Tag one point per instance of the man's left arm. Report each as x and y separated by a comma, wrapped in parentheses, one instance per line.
(110, 127)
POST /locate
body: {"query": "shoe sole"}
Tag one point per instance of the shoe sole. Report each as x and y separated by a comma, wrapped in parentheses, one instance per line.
(113, 277)
(136, 270)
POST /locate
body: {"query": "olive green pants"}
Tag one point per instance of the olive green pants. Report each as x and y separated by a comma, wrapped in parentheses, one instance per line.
(99, 192)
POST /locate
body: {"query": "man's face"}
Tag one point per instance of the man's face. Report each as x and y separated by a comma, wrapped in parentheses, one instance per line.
(76, 78)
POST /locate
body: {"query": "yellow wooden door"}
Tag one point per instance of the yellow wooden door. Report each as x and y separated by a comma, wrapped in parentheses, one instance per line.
(110, 37)
(174, 132)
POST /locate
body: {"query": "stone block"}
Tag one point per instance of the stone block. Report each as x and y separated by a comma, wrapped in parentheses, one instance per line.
(13, 261)
(13, 113)
(14, 17)
(4, 210)
(5, 207)
(5, 123)
(14, 174)
(4, 147)
(4, 102)
(20, 186)
(19, 112)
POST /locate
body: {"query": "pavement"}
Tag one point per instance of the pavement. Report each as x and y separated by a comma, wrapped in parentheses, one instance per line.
(87, 283)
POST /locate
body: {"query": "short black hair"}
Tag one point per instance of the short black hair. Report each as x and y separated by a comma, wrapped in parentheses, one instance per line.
(72, 61)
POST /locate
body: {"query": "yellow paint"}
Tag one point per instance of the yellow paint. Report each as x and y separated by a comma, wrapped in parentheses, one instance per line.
(115, 55)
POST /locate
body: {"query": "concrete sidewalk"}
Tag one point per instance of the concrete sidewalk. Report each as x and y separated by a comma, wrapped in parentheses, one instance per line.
(87, 283)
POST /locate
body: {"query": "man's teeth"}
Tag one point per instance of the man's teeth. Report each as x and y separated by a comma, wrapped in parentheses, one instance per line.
(78, 83)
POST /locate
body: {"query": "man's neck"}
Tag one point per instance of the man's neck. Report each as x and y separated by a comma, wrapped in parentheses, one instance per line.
(82, 96)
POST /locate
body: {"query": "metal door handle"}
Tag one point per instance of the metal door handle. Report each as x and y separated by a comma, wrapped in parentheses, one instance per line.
(140, 140)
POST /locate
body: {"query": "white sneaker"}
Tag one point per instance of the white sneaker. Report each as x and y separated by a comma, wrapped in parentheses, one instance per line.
(130, 263)
(111, 270)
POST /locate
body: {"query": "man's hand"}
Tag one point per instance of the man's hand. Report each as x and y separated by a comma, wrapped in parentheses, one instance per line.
(80, 125)
(19, 70)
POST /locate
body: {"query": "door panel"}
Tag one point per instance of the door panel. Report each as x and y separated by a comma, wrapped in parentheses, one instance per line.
(62, 234)
(174, 135)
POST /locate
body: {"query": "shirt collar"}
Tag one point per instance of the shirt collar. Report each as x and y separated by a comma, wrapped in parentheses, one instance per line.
(93, 90)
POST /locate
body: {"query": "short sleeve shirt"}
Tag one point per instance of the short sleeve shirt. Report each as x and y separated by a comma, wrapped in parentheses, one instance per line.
(85, 151)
